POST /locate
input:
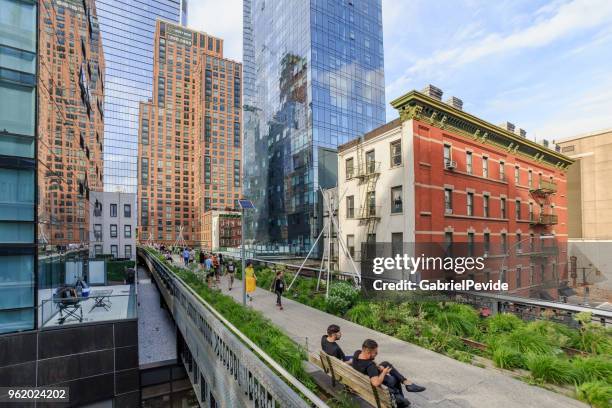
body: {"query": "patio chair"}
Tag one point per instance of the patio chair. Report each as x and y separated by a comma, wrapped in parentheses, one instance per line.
(69, 305)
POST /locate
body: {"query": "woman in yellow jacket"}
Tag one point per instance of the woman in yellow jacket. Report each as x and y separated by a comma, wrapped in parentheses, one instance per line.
(251, 280)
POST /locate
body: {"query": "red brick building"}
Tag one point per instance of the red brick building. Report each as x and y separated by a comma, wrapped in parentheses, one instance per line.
(440, 177)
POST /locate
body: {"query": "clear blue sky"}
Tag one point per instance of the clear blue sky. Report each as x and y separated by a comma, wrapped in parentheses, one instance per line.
(544, 65)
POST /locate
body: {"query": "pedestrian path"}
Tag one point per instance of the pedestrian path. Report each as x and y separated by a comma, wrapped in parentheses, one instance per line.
(450, 383)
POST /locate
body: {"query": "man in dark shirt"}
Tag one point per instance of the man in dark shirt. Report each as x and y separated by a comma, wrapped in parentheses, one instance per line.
(384, 373)
(329, 343)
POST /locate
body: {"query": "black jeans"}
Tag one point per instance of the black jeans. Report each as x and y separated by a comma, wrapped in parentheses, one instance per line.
(279, 295)
(394, 381)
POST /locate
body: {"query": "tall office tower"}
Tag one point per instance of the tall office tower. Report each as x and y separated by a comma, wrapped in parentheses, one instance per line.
(128, 28)
(189, 149)
(70, 119)
(18, 49)
(313, 80)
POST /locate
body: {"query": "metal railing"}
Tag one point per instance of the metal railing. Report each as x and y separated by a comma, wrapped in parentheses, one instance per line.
(545, 219)
(238, 373)
(544, 187)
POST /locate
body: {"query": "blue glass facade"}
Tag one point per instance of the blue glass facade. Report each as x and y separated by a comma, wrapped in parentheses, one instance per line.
(127, 33)
(18, 116)
(313, 79)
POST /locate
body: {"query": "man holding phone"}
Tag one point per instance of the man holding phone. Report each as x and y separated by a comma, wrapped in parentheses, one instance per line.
(383, 373)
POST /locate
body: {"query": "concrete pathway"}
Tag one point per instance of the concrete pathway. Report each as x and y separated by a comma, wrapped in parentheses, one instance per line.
(156, 331)
(450, 383)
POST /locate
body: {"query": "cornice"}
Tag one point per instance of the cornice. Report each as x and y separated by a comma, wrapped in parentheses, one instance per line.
(418, 106)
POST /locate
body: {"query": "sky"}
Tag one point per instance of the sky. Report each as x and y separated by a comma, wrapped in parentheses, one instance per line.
(545, 66)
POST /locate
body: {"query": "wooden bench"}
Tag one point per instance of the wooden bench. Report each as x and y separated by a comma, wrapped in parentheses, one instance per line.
(345, 374)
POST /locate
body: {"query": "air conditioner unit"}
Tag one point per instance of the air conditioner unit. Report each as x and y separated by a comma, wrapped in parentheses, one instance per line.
(448, 211)
(450, 165)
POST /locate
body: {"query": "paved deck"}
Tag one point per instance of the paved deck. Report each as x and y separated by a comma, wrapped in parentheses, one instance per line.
(156, 331)
(450, 383)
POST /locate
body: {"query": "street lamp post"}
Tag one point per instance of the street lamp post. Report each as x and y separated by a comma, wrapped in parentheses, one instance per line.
(244, 204)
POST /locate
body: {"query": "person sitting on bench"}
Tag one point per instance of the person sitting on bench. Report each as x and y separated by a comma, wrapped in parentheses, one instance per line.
(329, 343)
(383, 373)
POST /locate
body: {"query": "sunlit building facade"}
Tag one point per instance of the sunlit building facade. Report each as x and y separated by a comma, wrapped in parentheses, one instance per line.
(313, 79)
(128, 28)
(190, 147)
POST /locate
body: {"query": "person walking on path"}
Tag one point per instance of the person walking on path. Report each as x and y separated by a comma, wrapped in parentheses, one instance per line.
(217, 266)
(383, 373)
(278, 284)
(251, 280)
(231, 269)
(186, 256)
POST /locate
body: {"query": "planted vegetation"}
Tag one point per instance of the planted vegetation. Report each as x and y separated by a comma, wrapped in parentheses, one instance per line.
(449, 328)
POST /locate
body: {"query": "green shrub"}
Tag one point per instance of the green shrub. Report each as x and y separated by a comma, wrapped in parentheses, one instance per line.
(341, 297)
(363, 314)
(522, 340)
(457, 319)
(595, 339)
(554, 333)
(505, 357)
(551, 369)
(503, 323)
(597, 394)
(592, 369)
(460, 355)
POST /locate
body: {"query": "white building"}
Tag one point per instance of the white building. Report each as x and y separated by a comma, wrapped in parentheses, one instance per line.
(377, 191)
(113, 224)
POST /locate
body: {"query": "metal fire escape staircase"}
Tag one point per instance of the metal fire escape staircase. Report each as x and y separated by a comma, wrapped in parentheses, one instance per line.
(368, 173)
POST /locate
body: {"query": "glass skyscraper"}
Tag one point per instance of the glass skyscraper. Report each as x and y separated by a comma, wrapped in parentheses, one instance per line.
(18, 120)
(127, 35)
(313, 79)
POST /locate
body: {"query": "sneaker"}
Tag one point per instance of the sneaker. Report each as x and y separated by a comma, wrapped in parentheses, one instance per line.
(414, 388)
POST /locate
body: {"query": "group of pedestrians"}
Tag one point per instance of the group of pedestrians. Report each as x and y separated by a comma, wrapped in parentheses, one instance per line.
(278, 284)
(363, 361)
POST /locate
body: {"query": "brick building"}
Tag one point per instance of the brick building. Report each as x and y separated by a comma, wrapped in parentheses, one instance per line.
(189, 133)
(220, 230)
(440, 178)
(71, 119)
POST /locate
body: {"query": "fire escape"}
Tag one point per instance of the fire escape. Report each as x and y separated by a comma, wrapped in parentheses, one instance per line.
(542, 192)
(368, 172)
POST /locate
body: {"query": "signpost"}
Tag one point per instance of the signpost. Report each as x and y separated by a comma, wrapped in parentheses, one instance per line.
(244, 204)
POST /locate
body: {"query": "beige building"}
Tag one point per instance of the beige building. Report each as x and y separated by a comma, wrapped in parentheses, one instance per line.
(589, 192)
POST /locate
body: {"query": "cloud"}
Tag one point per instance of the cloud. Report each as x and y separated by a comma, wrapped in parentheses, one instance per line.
(567, 19)
(221, 19)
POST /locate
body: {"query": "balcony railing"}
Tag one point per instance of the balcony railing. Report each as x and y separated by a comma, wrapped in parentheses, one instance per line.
(545, 219)
(544, 187)
(365, 170)
(368, 212)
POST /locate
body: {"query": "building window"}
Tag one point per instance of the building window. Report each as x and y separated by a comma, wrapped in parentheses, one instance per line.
(448, 243)
(487, 242)
(370, 162)
(397, 243)
(350, 207)
(471, 244)
(470, 204)
(98, 232)
(114, 251)
(113, 210)
(530, 211)
(531, 243)
(396, 153)
(350, 169)
(396, 200)
(447, 155)
(504, 243)
(519, 244)
(448, 201)
(517, 175)
(502, 171)
(530, 178)
(518, 276)
(128, 251)
(468, 162)
(518, 209)
(127, 210)
(485, 206)
(127, 231)
(350, 244)
(371, 203)
(97, 250)
(113, 230)
(502, 204)
(485, 166)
